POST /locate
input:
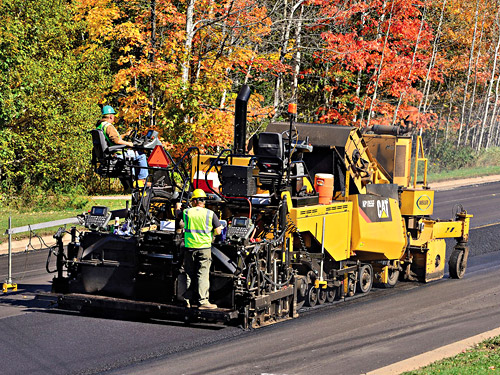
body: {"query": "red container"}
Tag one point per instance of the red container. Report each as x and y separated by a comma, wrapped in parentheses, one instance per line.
(323, 183)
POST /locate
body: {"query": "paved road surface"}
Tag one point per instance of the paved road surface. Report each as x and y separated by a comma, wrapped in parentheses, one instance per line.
(345, 338)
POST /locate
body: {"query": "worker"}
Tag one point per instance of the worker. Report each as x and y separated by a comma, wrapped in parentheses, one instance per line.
(113, 138)
(199, 224)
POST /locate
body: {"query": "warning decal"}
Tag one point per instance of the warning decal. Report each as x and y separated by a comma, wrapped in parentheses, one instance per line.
(158, 158)
(374, 209)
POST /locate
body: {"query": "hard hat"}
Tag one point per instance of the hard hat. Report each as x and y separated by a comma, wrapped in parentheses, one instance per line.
(108, 110)
(198, 193)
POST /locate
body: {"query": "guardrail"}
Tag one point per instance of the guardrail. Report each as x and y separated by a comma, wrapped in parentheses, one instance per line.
(8, 284)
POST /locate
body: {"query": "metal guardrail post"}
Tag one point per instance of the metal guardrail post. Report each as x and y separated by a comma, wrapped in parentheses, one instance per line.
(8, 283)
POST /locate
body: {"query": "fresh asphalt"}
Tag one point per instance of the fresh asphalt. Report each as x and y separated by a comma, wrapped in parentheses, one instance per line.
(350, 337)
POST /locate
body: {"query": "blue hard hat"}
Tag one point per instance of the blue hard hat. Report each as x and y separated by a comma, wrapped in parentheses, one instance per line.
(108, 110)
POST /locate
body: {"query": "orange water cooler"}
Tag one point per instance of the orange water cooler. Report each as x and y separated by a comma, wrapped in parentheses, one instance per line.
(323, 183)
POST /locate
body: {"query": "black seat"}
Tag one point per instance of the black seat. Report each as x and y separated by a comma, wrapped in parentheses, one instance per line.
(104, 159)
(269, 152)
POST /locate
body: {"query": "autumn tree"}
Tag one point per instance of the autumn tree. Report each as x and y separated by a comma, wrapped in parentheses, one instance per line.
(48, 89)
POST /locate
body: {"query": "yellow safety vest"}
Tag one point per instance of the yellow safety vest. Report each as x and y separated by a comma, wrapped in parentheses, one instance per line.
(198, 228)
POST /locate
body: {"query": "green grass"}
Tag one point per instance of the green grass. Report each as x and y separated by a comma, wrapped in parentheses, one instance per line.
(464, 173)
(483, 359)
(26, 218)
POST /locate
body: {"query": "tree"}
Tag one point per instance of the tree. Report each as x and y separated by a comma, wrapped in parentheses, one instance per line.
(48, 88)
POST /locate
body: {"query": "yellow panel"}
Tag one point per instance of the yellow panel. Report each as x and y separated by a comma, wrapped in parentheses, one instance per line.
(337, 226)
(435, 259)
(448, 229)
(417, 202)
(378, 231)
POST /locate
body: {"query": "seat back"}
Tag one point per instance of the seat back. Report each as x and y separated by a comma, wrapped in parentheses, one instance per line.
(269, 145)
(269, 151)
(100, 145)
(105, 163)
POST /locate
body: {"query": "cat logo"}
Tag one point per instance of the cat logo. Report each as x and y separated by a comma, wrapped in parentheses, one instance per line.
(383, 208)
(374, 209)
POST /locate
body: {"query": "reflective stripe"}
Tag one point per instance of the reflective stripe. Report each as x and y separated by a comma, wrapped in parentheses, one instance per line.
(207, 229)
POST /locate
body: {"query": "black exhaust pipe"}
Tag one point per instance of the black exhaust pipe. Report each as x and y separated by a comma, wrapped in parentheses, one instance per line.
(240, 120)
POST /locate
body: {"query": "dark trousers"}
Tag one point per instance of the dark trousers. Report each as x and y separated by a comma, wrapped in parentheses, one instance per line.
(197, 266)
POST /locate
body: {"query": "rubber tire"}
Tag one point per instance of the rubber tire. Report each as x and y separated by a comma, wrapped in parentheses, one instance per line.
(321, 296)
(312, 297)
(365, 279)
(392, 279)
(455, 264)
(331, 294)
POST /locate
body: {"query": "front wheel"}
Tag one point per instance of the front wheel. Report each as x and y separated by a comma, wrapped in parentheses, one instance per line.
(457, 264)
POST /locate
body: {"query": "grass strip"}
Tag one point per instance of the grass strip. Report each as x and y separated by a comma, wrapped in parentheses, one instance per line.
(27, 218)
(464, 173)
(482, 359)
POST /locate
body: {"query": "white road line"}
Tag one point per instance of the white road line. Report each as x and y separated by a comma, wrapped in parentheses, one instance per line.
(434, 355)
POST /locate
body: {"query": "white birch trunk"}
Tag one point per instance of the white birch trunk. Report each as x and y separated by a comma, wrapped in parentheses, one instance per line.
(408, 82)
(298, 31)
(490, 88)
(374, 98)
(427, 83)
(189, 41)
(468, 75)
(473, 96)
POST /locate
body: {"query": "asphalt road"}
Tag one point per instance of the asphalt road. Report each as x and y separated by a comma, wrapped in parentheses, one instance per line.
(350, 337)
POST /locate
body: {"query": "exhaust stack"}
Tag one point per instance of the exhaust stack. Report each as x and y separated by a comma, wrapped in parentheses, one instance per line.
(240, 120)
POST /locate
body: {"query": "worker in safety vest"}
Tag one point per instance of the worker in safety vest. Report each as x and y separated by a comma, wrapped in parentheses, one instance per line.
(113, 138)
(199, 224)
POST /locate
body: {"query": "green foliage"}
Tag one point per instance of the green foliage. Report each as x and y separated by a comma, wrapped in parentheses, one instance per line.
(37, 199)
(49, 88)
(446, 156)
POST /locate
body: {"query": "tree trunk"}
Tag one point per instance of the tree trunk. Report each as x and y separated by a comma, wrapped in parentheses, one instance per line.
(490, 88)
(408, 79)
(374, 98)
(284, 46)
(427, 83)
(473, 96)
(468, 75)
(152, 104)
(298, 31)
(188, 44)
(493, 127)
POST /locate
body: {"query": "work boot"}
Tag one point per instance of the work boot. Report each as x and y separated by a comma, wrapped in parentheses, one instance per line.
(208, 306)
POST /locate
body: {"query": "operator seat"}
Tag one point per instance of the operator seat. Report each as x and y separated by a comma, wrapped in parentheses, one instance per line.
(104, 159)
(269, 152)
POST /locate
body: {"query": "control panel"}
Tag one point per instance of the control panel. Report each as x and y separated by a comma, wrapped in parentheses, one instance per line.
(97, 218)
(148, 140)
(240, 228)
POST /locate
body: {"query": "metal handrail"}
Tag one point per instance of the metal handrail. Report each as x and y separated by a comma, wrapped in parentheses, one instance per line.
(10, 231)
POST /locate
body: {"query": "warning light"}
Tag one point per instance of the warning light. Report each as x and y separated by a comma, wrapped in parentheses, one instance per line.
(292, 108)
(158, 158)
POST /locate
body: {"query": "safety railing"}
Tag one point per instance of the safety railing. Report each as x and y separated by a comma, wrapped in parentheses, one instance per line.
(9, 284)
